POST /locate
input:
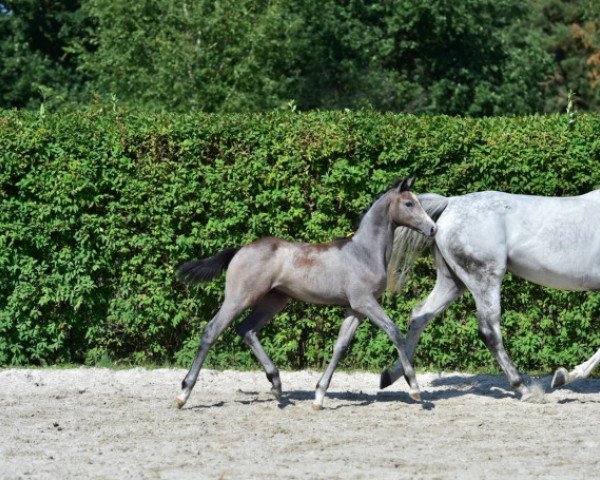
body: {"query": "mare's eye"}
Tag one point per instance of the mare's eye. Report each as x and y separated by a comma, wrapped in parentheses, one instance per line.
(409, 204)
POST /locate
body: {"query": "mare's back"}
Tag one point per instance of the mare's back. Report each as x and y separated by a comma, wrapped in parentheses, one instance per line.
(552, 241)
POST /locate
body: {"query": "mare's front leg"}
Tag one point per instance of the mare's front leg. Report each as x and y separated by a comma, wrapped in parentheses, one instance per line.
(369, 307)
(347, 330)
(447, 289)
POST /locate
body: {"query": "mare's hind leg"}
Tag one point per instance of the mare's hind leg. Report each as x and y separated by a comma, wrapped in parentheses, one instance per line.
(351, 322)
(269, 306)
(479, 260)
(487, 301)
(563, 377)
(211, 332)
(447, 289)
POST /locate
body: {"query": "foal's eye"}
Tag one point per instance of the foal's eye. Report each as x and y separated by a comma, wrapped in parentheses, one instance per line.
(409, 204)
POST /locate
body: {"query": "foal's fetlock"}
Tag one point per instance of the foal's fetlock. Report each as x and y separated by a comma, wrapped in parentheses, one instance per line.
(182, 397)
(319, 397)
(414, 391)
(276, 384)
(276, 393)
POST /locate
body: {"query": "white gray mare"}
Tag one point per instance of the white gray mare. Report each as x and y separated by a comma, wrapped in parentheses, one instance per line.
(554, 242)
(350, 272)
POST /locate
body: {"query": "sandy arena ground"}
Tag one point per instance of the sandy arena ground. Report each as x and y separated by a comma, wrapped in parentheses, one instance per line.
(97, 423)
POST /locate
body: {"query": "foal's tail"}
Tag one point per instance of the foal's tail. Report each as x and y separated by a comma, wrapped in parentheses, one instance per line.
(205, 269)
(409, 244)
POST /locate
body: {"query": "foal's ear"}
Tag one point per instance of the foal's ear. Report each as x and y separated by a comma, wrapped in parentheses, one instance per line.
(406, 184)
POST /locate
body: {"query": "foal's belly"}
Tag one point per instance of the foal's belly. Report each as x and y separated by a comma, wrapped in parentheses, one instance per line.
(308, 295)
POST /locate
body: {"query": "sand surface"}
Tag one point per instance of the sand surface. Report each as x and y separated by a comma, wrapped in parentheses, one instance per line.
(98, 423)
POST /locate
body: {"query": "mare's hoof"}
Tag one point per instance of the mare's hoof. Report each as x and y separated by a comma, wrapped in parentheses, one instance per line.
(529, 397)
(561, 378)
(179, 402)
(316, 407)
(385, 380)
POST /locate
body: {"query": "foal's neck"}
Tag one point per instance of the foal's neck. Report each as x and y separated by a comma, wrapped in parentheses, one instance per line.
(376, 232)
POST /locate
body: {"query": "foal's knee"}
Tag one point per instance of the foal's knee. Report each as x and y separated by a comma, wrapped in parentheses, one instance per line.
(209, 335)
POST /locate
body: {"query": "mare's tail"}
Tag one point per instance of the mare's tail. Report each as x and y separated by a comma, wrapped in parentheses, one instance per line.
(205, 269)
(409, 244)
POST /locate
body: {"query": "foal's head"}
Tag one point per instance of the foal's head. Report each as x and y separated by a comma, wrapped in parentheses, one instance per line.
(405, 209)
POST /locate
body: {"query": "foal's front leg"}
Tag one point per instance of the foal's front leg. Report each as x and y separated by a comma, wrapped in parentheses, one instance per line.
(371, 309)
(351, 322)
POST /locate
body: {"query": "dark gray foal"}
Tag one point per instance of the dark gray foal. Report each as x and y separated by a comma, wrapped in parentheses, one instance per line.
(351, 272)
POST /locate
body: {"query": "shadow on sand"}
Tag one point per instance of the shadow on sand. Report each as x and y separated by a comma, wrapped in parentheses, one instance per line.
(496, 386)
(444, 388)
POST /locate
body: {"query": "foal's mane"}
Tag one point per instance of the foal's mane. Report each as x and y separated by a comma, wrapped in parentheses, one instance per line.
(394, 185)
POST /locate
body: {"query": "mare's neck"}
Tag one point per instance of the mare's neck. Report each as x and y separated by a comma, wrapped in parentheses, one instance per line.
(376, 232)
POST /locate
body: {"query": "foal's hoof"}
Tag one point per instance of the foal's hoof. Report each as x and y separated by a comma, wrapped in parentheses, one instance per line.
(276, 393)
(182, 397)
(385, 380)
(316, 407)
(415, 395)
(561, 378)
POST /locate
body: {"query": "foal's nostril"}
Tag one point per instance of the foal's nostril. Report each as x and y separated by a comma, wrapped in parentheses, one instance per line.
(433, 231)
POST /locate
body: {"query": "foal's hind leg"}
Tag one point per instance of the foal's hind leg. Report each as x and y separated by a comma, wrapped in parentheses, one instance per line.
(269, 306)
(563, 377)
(352, 321)
(211, 332)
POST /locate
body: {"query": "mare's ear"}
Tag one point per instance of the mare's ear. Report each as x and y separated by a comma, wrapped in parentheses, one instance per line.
(406, 184)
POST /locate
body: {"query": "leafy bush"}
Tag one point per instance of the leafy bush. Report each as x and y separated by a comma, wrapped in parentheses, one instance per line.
(98, 209)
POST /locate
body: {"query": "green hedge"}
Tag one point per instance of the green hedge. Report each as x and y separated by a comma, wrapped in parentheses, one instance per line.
(98, 209)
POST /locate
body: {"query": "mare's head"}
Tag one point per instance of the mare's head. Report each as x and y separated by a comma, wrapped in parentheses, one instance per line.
(406, 211)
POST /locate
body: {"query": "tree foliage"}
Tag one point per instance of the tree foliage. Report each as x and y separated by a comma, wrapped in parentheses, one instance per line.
(466, 57)
(35, 65)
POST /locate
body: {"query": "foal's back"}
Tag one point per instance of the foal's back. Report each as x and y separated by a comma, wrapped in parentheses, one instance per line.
(319, 273)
